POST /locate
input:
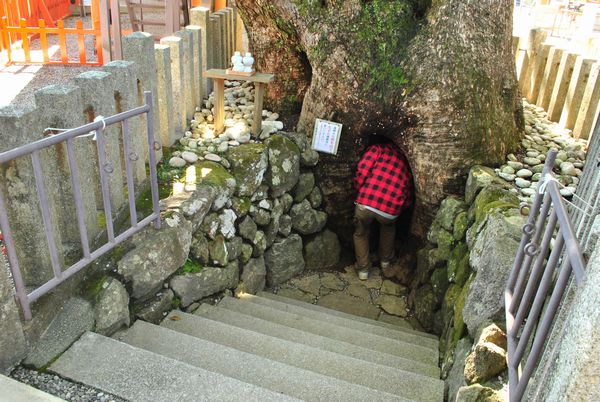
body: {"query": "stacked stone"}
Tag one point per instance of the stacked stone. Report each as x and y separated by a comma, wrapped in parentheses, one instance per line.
(461, 273)
(200, 143)
(542, 135)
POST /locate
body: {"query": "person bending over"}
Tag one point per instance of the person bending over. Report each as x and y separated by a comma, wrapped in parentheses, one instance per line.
(384, 185)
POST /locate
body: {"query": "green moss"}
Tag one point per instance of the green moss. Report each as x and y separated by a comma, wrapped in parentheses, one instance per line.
(459, 324)
(175, 303)
(212, 174)
(241, 206)
(278, 141)
(456, 256)
(190, 267)
(94, 287)
(492, 198)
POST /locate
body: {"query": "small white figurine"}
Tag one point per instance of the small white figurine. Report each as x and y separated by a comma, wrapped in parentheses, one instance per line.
(237, 62)
(248, 61)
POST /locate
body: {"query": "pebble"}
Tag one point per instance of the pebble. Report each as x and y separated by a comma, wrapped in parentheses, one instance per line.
(507, 176)
(177, 162)
(567, 191)
(189, 157)
(522, 183)
(524, 173)
(515, 165)
(531, 161)
(528, 191)
(212, 157)
(222, 147)
(508, 170)
(567, 168)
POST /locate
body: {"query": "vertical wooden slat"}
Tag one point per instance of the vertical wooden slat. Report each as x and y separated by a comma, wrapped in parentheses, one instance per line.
(62, 40)
(116, 33)
(25, 39)
(6, 39)
(45, 13)
(80, 41)
(105, 30)
(43, 40)
(96, 27)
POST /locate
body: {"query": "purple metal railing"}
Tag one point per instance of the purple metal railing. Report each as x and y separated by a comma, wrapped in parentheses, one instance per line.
(105, 168)
(534, 276)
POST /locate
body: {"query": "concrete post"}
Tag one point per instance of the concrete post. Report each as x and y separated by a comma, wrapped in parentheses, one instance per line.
(537, 72)
(12, 341)
(166, 130)
(588, 112)
(549, 77)
(125, 93)
(563, 78)
(19, 127)
(139, 48)
(60, 106)
(188, 72)
(581, 73)
(197, 73)
(97, 96)
(177, 76)
(199, 16)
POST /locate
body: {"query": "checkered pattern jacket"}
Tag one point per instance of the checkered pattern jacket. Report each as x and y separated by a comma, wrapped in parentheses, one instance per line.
(383, 179)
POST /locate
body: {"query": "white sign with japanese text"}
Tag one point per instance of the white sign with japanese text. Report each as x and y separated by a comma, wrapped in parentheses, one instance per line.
(326, 136)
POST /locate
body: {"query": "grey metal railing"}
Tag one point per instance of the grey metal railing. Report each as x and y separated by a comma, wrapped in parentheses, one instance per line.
(548, 255)
(105, 168)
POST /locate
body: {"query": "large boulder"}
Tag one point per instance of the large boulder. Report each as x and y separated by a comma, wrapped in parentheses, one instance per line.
(490, 199)
(486, 361)
(284, 164)
(305, 185)
(249, 164)
(308, 156)
(213, 174)
(425, 304)
(253, 276)
(449, 208)
(306, 220)
(284, 260)
(194, 205)
(210, 280)
(492, 257)
(322, 250)
(480, 177)
(199, 248)
(112, 307)
(478, 393)
(157, 256)
(155, 309)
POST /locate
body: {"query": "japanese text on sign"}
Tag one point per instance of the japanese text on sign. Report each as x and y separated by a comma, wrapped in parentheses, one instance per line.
(326, 136)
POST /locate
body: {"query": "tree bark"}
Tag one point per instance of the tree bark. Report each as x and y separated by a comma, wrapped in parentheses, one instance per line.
(437, 76)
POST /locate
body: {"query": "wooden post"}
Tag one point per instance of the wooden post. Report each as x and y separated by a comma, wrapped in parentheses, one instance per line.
(105, 31)
(81, 42)
(62, 40)
(43, 40)
(25, 40)
(258, 106)
(219, 105)
(115, 12)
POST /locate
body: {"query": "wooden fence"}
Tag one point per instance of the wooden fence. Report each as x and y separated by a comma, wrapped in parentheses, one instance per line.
(564, 82)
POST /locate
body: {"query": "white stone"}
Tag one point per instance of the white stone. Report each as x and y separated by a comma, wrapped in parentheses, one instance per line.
(177, 162)
(222, 147)
(567, 191)
(522, 183)
(524, 173)
(212, 157)
(189, 157)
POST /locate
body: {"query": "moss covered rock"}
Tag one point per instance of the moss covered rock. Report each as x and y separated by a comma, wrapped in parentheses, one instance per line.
(461, 224)
(449, 208)
(425, 304)
(249, 164)
(459, 323)
(481, 177)
(439, 283)
(284, 164)
(215, 175)
(322, 250)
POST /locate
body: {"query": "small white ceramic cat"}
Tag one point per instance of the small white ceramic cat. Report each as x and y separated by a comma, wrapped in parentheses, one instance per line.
(237, 62)
(248, 61)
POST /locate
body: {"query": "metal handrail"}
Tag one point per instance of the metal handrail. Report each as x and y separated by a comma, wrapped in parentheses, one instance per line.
(535, 284)
(25, 299)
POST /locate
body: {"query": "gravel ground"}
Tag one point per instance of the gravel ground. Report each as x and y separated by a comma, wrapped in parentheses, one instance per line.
(62, 388)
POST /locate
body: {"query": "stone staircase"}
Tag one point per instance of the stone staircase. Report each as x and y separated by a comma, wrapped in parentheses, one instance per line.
(263, 347)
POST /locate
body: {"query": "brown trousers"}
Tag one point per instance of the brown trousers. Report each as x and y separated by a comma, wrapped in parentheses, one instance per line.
(387, 232)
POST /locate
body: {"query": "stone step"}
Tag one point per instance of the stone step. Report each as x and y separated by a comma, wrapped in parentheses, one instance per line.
(402, 326)
(139, 375)
(15, 391)
(410, 385)
(344, 319)
(257, 370)
(407, 350)
(294, 335)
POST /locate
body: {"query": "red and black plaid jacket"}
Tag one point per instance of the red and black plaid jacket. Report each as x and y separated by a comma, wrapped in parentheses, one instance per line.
(383, 179)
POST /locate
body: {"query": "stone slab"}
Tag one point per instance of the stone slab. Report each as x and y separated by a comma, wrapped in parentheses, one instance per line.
(342, 314)
(316, 360)
(12, 342)
(299, 383)
(138, 375)
(15, 391)
(178, 74)
(240, 320)
(405, 349)
(162, 55)
(76, 317)
(345, 321)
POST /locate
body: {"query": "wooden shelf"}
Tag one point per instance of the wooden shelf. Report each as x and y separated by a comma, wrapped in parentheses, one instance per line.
(216, 73)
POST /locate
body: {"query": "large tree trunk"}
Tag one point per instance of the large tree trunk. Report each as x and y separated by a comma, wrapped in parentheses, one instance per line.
(438, 76)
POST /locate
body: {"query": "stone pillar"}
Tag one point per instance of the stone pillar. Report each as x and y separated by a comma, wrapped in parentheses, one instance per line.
(98, 99)
(588, 112)
(197, 58)
(19, 127)
(534, 43)
(239, 31)
(223, 29)
(177, 76)
(581, 73)
(199, 16)
(537, 72)
(139, 48)
(521, 59)
(215, 32)
(12, 341)
(563, 78)
(126, 98)
(229, 36)
(61, 106)
(188, 73)
(166, 130)
(549, 77)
